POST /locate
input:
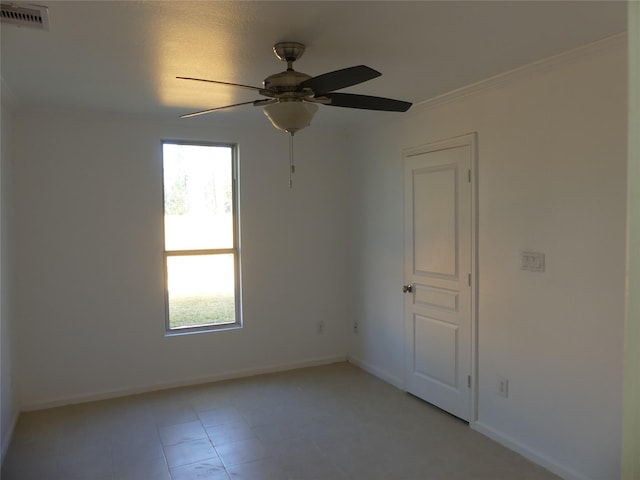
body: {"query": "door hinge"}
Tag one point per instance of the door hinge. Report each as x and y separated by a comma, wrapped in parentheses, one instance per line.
(469, 279)
(469, 381)
(469, 175)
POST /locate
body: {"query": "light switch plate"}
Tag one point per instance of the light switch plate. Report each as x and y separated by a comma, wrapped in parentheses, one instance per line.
(532, 261)
(502, 387)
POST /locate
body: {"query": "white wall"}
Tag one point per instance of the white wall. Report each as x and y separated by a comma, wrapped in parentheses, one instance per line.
(90, 302)
(552, 150)
(631, 418)
(8, 400)
(551, 178)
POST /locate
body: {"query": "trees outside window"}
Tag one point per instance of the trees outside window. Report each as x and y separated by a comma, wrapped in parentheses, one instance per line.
(201, 254)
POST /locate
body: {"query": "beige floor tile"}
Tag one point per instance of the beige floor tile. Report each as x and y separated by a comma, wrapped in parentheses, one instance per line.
(263, 469)
(182, 432)
(242, 451)
(189, 452)
(204, 470)
(277, 431)
(293, 451)
(154, 469)
(173, 414)
(220, 416)
(128, 453)
(230, 432)
(327, 423)
(314, 471)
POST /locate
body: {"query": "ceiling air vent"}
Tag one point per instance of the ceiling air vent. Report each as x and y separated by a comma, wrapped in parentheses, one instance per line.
(25, 15)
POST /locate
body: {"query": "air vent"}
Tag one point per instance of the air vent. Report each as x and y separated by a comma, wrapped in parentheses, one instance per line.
(25, 15)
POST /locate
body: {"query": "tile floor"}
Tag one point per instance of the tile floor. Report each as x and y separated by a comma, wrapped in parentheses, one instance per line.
(333, 422)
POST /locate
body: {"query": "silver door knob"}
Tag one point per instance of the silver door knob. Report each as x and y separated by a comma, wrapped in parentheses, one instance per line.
(407, 288)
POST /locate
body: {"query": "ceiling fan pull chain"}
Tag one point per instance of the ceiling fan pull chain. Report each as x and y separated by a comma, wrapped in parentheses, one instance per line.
(292, 167)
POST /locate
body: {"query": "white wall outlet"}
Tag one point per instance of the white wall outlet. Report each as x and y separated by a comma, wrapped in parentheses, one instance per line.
(532, 261)
(503, 387)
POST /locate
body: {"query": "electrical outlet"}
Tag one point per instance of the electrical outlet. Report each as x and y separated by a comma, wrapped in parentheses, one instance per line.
(532, 261)
(503, 387)
(320, 327)
(355, 327)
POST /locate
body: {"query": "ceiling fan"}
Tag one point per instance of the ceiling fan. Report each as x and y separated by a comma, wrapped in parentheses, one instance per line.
(293, 97)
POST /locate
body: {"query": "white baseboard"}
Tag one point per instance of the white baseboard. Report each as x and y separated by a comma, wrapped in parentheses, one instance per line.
(91, 397)
(506, 441)
(503, 439)
(377, 372)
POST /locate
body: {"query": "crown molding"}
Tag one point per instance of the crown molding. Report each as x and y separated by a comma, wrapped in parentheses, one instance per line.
(549, 63)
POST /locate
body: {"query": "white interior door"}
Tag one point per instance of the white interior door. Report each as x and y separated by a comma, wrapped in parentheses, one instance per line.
(438, 274)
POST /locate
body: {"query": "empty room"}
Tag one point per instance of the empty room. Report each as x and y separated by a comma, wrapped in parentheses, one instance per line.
(319, 240)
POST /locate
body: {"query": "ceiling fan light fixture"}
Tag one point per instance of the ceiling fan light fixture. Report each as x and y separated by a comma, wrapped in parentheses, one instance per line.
(290, 116)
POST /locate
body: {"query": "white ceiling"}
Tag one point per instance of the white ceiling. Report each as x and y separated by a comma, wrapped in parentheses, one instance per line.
(123, 56)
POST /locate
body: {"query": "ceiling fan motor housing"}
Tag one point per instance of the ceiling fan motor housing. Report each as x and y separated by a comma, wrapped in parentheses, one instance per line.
(287, 82)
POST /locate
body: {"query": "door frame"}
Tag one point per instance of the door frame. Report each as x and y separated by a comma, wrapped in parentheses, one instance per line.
(470, 140)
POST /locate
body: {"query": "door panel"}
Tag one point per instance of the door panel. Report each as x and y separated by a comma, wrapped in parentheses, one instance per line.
(438, 266)
(435, 350)
(435, 186)
(436, 297)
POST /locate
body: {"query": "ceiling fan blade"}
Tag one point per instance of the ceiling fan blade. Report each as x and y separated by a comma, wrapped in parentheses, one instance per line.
(328, 82)
(253, 102)
(366, 102)
(223, 83)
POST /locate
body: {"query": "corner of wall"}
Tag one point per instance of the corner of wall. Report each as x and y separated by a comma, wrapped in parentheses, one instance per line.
(377, 372)
(8, 400)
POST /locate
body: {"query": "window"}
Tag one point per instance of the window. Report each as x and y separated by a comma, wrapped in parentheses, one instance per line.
(201, 257)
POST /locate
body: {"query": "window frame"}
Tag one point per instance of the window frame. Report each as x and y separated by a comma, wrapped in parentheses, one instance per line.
(234, 250)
